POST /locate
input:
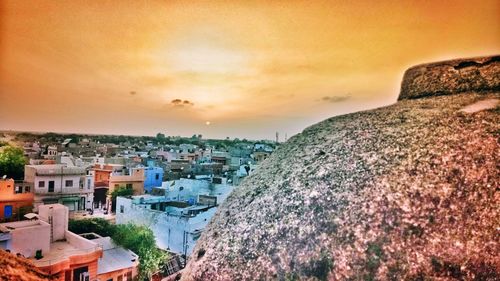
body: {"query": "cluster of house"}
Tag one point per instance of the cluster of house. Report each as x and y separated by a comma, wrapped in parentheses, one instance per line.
(45, 240)
(85, 183)
(177, 212)
(175, 191)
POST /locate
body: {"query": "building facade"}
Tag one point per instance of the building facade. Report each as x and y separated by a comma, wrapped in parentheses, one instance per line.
(57, 183)
(16, 199)
(128, 178)
(153, 177)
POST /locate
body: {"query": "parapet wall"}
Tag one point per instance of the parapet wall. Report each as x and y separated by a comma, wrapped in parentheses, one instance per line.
(451, 77)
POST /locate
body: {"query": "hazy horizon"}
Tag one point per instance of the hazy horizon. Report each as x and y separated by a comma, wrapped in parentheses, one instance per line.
(220, 69)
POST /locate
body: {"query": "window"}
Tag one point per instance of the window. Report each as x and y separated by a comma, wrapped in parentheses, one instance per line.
(129, 276)
(69, 183)
(129, 185)
(18, 189)
(7, 211)
(120, 278)
(41, 184)
(157, 176)
(122, 209)
(81, 274)
(89, 181)
(117, 185)
(51, 186)
(27, 189)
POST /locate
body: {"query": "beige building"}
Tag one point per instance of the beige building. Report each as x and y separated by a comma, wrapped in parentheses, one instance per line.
(130, 178)
(58, 183)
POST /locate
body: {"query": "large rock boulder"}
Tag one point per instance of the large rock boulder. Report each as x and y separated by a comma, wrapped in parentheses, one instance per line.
(20, 269)
(405, 192)
(452, 77)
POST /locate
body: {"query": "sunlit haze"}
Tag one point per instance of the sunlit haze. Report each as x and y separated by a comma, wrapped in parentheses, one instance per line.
(241, 69)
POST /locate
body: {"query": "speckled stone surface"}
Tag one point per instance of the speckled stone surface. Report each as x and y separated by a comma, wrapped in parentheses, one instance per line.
(405, 192)
(19, 269)
(450, 77)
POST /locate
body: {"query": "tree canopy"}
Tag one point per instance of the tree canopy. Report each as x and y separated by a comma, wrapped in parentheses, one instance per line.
(12, 162)
(141, 241)
(99, 226)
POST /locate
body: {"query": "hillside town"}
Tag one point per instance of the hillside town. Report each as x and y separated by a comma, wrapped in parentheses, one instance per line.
(170, 186)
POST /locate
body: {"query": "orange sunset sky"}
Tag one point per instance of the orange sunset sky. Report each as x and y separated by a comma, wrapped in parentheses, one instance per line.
(250, 68)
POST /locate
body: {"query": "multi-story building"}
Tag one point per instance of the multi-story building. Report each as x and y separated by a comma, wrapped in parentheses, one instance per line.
(57, 183)
(16, 199)
(102, 174)
(51, 247)
(153, 177)
(51, 152)
(129, 178)
(108, 177)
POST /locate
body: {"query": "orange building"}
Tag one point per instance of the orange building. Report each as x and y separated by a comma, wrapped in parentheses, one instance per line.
(16, 199)
(102, 173)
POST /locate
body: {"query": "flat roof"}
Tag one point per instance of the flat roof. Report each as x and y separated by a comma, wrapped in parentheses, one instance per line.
(57, 169)
(60, 251)
(114, 257)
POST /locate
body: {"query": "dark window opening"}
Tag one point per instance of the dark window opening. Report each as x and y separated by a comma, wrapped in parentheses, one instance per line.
(51, 186)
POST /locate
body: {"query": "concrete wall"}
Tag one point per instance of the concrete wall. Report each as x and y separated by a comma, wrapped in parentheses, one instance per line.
(78, 241)
(29, 236)
(8, 197)
(59, 215)
(59, 184)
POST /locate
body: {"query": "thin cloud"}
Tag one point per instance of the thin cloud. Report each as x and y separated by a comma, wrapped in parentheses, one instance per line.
(335, 99)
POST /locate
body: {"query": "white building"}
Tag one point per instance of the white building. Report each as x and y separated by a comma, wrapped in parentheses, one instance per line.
(189, 189)
(176, 229)
(177, 214)
(57, 183)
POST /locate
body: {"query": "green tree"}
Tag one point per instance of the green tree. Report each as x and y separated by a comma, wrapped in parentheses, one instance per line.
(99, 226)
(120, 191)
(141, 240)
(12, 162)
(160, 137)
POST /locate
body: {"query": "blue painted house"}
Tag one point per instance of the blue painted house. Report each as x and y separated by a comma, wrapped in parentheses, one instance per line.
(153, 177)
